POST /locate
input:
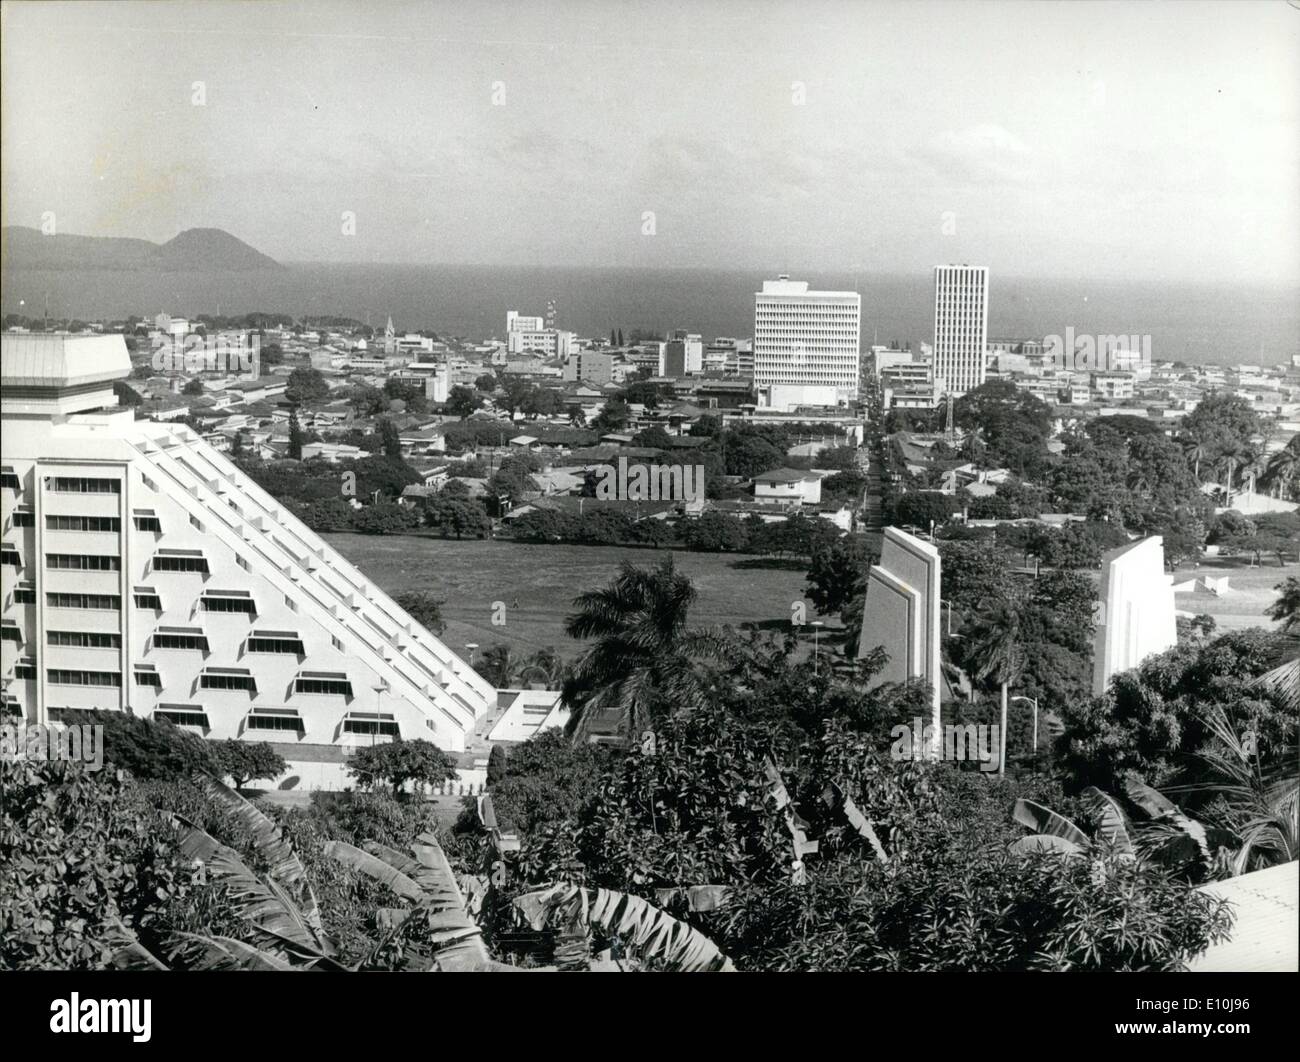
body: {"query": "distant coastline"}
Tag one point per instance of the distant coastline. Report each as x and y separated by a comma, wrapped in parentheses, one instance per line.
(1188, 322)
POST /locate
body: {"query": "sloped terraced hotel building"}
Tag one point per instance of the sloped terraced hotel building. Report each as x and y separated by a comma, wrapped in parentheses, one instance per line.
(144, 571)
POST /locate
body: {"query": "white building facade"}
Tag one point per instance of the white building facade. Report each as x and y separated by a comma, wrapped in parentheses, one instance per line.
(961, 324)
(145, 572)
(806, 339)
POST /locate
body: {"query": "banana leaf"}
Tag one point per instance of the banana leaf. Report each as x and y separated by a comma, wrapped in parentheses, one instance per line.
(1045, 842)
(129, 953)
(226, 953)
(268, 839)
(1112, 823)
(375, 868)
(1161, 808)
(1045, 821)
(653, 932)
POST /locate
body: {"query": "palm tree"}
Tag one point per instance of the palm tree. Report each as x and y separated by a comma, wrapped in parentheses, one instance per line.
(1201, 451)
(1229, 465)
(497, 665)
(1282, 468)
(1258, 803)
(995, 641)
(640, 660)
(545, 666)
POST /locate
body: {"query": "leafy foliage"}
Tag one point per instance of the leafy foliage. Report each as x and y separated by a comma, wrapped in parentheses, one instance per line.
(247, 761)
(399, 762)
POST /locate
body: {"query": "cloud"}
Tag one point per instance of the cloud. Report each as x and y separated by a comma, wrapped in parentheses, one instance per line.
(980, 154)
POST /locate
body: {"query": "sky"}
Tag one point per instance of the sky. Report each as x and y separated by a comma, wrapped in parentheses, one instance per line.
(1152, 140)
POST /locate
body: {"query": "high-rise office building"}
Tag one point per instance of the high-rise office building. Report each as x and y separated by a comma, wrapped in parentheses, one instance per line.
(961, 325)
(806, 344)
(144, 571)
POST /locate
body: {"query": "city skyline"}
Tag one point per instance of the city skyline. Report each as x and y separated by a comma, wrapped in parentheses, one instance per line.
(851, 136)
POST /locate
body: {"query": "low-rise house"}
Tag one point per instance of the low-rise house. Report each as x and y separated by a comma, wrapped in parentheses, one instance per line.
(426, 440)
(788, 485)
(166, 407)
(333, 452)
(258, 390)
(414, 494)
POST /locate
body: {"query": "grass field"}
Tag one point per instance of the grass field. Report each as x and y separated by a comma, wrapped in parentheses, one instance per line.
(733, 589)
(1250, 591)
(544, 579)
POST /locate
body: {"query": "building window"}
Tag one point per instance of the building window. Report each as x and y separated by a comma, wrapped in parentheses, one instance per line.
(24, 518)
(147, 522)
(146, 598)
(25, 670)
(10, 556)
(94, 602)
(180, 638)
(182, 715)
(82, 485)
(227, 679)
(82, 562)
(180, 561)
(63, 677)
(9, 632)
(82, 523)
(10, 480)
(275, 642)
(329, 683)
(196, 522)
(228, 601)
(371, 723)
(84, 639)
(147, 675)
(25, 594)
(274, 719)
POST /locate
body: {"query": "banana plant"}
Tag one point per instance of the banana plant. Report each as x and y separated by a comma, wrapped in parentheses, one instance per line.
(655, 934)
(1056, 833)
(455, 939)
(1052, 832)
(1168, 836)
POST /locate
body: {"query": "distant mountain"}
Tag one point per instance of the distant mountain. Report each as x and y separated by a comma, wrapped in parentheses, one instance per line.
(194, 250)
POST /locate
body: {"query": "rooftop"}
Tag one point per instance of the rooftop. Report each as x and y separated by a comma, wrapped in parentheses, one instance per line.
(1266, 927)
(60, 359)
